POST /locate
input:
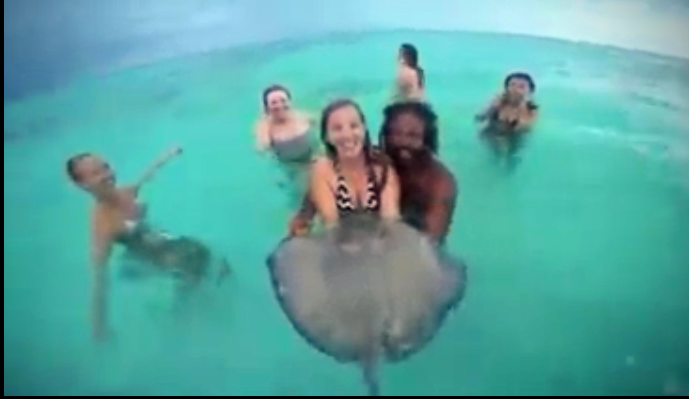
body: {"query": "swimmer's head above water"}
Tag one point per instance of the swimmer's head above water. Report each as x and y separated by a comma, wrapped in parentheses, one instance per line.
(519, 86)
(409, 134)
(409, 56)
(343, 131)
(276, 102)
(91, 173)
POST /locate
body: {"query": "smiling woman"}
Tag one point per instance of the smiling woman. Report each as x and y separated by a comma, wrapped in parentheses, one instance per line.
(351, 178)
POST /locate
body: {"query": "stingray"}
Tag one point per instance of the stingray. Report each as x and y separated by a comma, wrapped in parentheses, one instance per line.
(366, 291)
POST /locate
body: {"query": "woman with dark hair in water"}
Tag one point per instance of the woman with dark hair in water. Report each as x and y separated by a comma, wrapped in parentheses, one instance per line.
(351, 178)
(410, 82)
(118, 218)
(509, 116)
(283, 129)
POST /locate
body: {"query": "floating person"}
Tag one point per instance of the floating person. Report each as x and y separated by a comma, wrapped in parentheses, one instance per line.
(428, 189)
(411, 80)
(350, 177)
(509, 117)
(284, 132)
(367, 290)
(118, 218)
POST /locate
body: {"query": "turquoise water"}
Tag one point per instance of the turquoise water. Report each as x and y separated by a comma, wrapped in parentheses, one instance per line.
(578, 259)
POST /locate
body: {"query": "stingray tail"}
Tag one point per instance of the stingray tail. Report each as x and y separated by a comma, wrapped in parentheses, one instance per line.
(370, 370)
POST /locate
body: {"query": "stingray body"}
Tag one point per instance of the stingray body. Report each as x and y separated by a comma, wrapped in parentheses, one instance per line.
(366, 290)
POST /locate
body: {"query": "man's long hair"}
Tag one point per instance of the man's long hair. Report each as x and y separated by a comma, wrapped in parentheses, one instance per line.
(422, 111)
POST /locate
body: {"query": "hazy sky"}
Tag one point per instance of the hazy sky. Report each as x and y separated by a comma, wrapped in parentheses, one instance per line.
(47, 40)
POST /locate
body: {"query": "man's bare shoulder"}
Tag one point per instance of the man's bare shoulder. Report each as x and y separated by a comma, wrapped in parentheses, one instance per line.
(444, 179)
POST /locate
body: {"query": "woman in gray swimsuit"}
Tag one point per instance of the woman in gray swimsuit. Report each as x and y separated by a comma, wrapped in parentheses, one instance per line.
(118, 218)
(282, 129)
(285, 132)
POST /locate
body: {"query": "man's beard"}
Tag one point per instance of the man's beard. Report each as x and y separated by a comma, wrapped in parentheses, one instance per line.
(408, 158)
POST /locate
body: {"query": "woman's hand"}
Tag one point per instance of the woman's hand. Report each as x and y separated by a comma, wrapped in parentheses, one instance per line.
(174, 151)
(298, 226)
(171, 153)
(494, 105)
(151, 171)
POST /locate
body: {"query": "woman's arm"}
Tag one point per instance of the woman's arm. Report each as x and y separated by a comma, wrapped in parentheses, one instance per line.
(321, 191)
(301, 222)
(101, 245)
(154, 168)
(491, 108)
(262, 135)
(390, 195)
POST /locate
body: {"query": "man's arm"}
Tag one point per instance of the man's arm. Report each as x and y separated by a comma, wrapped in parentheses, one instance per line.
(441, 206)
(154, 168)
(101, 245)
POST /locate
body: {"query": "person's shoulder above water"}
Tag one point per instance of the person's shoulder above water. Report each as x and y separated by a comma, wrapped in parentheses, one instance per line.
(322, 166)
(306, 116)
(443, 176)
(321, 162)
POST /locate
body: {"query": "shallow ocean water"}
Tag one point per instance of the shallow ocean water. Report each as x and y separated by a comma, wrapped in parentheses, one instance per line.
(578, 259)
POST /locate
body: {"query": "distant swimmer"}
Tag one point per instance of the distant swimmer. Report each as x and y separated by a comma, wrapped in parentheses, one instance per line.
(284, 130)
(411, 80)
(509, 116)
(118, 218)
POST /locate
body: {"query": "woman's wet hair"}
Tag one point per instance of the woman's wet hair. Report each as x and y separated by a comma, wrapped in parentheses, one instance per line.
(521, 75)
(72, 164)
(410, 55)
(330, 149)
(271, 89)
(421, 110)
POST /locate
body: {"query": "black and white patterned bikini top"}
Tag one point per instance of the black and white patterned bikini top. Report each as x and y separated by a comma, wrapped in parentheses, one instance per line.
(344, 199)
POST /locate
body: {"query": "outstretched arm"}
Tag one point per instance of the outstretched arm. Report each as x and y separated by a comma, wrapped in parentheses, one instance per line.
(154, 168)
(262, 135)
(101, 244)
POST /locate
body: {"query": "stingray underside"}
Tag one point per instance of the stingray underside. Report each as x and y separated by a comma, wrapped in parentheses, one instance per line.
(366, 288)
